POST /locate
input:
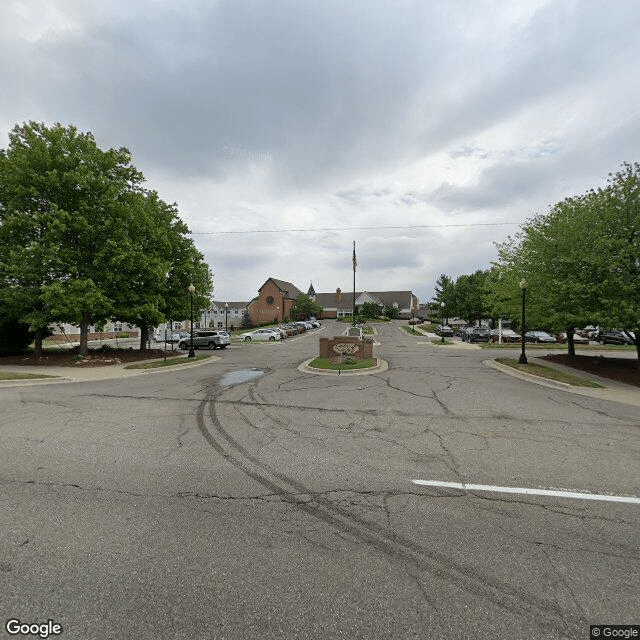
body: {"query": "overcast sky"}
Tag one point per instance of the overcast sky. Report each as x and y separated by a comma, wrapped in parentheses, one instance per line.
(290, 114)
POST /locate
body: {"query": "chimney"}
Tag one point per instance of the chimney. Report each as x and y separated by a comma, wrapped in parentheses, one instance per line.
(338, 294)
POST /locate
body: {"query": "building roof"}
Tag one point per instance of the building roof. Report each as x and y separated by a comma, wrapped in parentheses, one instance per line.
(232, 305)
(386, 298)
(311, 291)
(289, 290)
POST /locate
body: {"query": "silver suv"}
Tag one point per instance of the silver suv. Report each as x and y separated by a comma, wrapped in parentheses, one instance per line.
(210, 338)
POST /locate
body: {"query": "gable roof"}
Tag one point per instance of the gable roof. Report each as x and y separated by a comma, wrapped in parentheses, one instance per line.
(289, 290)
(386, 298)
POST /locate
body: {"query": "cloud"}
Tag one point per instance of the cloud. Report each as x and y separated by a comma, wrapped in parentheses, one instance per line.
(290, 115)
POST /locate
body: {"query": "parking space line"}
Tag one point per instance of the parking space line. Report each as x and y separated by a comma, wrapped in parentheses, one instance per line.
(556, 493)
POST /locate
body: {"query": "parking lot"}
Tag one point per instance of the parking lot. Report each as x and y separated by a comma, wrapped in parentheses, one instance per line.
(245, 498)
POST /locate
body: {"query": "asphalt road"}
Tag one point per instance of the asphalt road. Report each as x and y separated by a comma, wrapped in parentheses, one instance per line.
(273, 503)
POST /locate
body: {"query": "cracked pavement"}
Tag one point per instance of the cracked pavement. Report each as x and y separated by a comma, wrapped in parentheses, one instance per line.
(168, 507)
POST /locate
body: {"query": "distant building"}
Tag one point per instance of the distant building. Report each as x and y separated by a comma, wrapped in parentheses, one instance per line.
(340, 305)
(274, 301)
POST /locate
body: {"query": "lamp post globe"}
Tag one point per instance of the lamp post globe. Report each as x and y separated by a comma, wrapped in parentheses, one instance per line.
(192, 353)
(523, 356)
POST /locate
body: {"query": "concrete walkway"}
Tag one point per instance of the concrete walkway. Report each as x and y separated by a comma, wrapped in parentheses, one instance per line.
(613, 390)
(83, 374)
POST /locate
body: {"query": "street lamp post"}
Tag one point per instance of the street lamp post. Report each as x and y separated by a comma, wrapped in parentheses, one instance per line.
(192, 353)
(523, 356)
(441, 319)
(226, 316)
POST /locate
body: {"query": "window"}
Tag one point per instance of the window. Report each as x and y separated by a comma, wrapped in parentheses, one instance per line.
(269, 299)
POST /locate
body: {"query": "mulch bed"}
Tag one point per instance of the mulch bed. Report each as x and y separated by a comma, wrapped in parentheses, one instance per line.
(95, 357)
(620, 369)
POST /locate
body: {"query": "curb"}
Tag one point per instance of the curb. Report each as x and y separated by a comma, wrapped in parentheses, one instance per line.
(32, 382)
(382, 365)
(529, 377)
(171, 367)
(125, 373)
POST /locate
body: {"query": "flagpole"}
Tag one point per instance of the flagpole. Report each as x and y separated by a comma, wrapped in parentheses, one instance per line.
(354, 283)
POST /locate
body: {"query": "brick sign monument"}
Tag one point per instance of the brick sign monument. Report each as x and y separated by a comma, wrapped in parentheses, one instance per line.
(340, 347)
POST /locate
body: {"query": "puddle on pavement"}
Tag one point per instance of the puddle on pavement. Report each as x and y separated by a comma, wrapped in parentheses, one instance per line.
(238, 377)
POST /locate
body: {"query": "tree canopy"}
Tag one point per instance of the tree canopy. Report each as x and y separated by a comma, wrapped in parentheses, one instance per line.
(305, 307)
(580, 261)
(82, 240)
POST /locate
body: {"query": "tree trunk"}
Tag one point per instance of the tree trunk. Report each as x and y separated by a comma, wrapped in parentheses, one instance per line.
(571, 347)
(635, 340)
(37, 343)
(84, 333)
(144, 335)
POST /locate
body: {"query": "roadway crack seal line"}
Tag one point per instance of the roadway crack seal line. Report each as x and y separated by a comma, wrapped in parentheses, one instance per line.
(513, 598)
(555, 493)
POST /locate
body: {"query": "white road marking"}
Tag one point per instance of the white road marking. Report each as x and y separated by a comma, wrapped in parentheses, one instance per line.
(556, 493)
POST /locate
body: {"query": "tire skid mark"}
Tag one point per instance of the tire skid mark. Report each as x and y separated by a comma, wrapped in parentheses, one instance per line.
(542, 613)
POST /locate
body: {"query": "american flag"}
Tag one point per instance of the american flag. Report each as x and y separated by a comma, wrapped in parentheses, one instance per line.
(355, 262)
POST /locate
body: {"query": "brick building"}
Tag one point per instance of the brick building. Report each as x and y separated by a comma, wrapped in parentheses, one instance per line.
(274, 302)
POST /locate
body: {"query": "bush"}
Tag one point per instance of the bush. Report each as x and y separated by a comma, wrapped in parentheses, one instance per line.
(15, 337)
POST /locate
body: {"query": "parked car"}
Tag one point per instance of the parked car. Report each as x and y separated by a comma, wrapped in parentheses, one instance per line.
(460, 331)
(508, 335)
(209, 338)
(612, 336)
(290, 331)
(477, 334)
(261, 334)
(444, 330)
(577, 338)
(538, 336)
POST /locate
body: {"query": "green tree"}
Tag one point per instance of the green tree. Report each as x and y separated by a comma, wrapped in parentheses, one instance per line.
(580, 261)
(391, 311)
(370, 310)
(246, 320)
(61, 201)
(444, 302)
(82, 241)
(467, 298)
(305, 307)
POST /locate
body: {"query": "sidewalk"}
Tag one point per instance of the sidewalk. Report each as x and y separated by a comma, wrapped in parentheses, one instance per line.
(87, 374)
(614, 391)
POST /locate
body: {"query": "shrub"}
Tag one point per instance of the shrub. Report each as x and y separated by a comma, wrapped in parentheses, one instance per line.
(15, 337)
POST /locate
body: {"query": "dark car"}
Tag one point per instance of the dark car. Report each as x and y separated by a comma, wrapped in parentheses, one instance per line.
(612, 337)
(538, 336)
(477, 334)
(444, 330)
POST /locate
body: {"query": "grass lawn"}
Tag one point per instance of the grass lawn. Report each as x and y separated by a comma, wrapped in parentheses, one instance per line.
(559, 347)
(167, 363)
(409, 329)
(439, 341)
(9, 375)
(549, 373)
(324, 363)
